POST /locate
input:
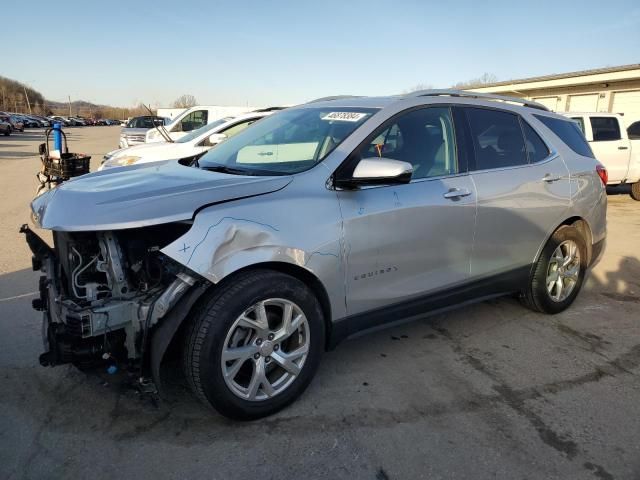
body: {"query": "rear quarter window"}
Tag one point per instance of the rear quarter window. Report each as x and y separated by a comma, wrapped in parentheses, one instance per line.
(569, 132)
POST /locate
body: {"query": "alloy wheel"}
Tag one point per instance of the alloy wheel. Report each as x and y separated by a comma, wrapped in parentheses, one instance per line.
(265, 349)
(563, 271)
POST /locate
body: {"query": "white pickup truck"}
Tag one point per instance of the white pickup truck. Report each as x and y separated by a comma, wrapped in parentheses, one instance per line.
(613, 146)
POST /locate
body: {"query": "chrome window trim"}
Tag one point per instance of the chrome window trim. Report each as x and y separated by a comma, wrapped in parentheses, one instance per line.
(552, 156)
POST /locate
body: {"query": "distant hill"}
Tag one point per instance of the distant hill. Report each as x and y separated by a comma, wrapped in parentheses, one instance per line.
(14, 96)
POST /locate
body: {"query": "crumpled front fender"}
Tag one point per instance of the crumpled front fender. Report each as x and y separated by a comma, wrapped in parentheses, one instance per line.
(300, 230)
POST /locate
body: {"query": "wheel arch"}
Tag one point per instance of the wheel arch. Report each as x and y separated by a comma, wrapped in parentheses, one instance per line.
(581, 225)
(585, 229)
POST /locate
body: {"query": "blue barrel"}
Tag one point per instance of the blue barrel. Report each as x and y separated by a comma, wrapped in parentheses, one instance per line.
(57, 136)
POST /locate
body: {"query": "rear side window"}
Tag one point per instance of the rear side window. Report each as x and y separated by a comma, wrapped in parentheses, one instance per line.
(537, 150)
(634, 131)
(497, 138)
(580, 122)
(569, 132)
(605, 129)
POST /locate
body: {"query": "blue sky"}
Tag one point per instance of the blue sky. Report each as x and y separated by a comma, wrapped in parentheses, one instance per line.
(283, 52)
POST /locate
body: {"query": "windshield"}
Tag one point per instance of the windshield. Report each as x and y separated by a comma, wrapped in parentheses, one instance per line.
(287, 142)
(196, 133)
(145, 122)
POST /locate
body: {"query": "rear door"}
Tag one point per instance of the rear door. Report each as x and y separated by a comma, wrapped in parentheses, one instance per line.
(406, 241)
(609, 146)
(523, 191)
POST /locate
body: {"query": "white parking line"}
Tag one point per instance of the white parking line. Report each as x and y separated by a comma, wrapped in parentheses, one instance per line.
(18, 296)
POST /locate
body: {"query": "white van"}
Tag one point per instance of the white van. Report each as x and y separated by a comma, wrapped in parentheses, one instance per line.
(194, 118)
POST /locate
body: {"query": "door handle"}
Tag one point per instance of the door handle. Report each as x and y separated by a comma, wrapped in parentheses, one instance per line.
(551, 178)
(455, 193)
(623, 148)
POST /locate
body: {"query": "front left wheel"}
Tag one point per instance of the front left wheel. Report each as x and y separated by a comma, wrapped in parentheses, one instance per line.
(635, 191)
(254, 345)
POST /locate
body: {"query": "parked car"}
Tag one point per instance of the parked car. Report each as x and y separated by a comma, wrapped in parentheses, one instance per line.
(613, 147)
(37, 121)
(192, 119)
(62, 120)
(28, 122)
(135, 130)
(44, 121)
(190, 146)
(314, 224)
(16, 123)
(5, 126)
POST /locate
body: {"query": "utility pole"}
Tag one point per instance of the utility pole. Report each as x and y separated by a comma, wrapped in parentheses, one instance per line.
(69, 105)
(27, 97)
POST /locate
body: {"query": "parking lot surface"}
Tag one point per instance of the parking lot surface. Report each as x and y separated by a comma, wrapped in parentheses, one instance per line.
(487, 391)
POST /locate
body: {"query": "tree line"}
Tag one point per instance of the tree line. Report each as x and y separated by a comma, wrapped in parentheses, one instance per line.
(17, 97)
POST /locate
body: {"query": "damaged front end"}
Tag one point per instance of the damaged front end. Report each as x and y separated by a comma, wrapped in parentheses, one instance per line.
(103, 294)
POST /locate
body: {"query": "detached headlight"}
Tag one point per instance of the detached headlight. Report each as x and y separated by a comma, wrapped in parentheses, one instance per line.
(110, 162)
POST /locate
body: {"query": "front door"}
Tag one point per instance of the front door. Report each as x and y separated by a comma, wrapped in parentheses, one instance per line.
(406, 241)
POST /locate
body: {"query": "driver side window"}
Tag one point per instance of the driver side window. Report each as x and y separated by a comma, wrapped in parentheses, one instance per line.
(424, 138)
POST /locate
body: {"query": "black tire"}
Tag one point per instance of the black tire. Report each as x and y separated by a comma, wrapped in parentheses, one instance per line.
(635, 191)
(537, 297)
(213, 318)
(7, 132)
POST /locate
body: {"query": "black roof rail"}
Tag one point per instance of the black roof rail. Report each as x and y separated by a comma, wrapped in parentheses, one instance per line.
(480, 96)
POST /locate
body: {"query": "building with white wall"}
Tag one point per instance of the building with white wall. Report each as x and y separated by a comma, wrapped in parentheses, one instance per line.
(611, 89)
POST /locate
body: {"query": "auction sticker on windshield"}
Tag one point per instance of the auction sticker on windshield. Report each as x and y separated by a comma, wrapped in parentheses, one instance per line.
(345, 116)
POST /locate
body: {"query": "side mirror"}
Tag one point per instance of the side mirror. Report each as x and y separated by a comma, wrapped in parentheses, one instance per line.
(377, 171)
(216, 138)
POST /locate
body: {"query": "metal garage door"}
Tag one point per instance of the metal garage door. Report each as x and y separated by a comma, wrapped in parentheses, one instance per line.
(583, 103)
(550, 102)
(627, 103)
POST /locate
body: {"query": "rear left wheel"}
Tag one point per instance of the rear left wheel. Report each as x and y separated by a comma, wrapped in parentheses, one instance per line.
(559, 272)
(255, 345)
(635, 191)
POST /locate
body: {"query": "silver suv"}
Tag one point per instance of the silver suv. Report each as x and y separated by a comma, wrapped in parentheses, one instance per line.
(312, 225)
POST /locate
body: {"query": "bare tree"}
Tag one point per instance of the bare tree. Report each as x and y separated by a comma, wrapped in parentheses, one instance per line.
(185, 101)
(484, 79)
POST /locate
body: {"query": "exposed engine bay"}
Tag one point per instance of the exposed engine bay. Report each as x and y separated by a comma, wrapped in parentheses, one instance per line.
(103, 292)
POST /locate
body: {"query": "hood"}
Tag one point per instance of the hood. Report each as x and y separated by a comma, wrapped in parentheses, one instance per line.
(155, 151)
(142, 195)
(133, 131)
